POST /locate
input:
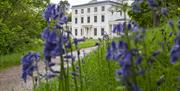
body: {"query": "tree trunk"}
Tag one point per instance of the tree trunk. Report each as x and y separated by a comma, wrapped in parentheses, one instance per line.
(156, 18)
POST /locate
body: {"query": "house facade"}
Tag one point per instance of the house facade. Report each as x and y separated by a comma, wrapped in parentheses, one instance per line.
(96, 18)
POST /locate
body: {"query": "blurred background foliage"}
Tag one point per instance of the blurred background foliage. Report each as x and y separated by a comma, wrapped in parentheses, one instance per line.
(20, 24)
(148, 17)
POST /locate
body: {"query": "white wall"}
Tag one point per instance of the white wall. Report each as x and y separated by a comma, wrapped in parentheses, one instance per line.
(98, 24)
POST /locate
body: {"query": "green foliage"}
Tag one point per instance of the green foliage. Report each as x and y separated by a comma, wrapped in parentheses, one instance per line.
(149, 17)
(20, 24)
(144, 18)
(13, 59)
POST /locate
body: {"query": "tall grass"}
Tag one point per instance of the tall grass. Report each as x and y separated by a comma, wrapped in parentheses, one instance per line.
(98, 74)
(13, 59)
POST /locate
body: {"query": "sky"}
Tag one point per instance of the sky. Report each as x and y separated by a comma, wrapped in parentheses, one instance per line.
(73, 2)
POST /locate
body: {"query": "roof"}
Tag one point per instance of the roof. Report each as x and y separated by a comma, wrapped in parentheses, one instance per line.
(95, 2)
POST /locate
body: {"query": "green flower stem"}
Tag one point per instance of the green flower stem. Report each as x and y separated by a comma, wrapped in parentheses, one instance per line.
(109, 73)
(63, 74)
(67, 75)
(80, 73)
(34, 86)
(73, 66)
(47, 86)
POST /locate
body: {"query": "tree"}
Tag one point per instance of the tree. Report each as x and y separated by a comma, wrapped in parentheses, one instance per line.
(151, 12)
(123, 6)
(20, 23)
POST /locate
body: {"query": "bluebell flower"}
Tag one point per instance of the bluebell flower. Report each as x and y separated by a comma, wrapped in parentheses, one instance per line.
(164, 11)
(127, 58)
(58, 50)
(135, 87)
(109, 53)
(122, 45)
(141, 72)
(50, 75)
(63, 20)
(139, 60)
(77, 67)
(116, 50)
(152, 3)
(52, 12)
(135, 29)
(68, 56)
(76, 41)
(28, 64)
(114, 46)
(179, 23)
(171, 33)
(129, 26)
(138, 37)
(49, 47)
(45, 33)
(171, 23)
(118, 28)
(48, 12)
(52, 37)
(155, 53)
(136, 7)
(68, 45)
(174, 53)
(74, 73)
(178, 78)
(50, 64)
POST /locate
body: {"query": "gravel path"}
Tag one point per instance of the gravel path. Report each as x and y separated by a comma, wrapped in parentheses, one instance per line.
(10, 79)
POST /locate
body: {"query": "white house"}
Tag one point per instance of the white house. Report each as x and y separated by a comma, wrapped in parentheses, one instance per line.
(93, 19)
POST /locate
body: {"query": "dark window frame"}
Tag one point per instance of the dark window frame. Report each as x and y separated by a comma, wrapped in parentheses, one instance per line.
(76, 20)
(88, 19)
(95, 31)
(82, 11)
(95, 18)
(76, 11)
(81, 32)
(82, 19)
(102, 18)
(88, 10)
(102, 8)
(95, 9)
(102, 31)
(76, 32)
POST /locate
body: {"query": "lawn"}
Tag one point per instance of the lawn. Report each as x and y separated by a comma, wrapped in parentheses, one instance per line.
(13, 59)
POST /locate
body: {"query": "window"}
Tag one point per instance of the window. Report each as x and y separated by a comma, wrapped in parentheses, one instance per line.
(88, 10)
(95, 18)
(88, 19)
(102, 8)
(95, 9)
(76, 20)
(102, 31)
(76, 11)
(102, 18)
(82, 19)
(82, 11)
(76, 32)
(81, 32)
(120, 13)
(95, 31)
